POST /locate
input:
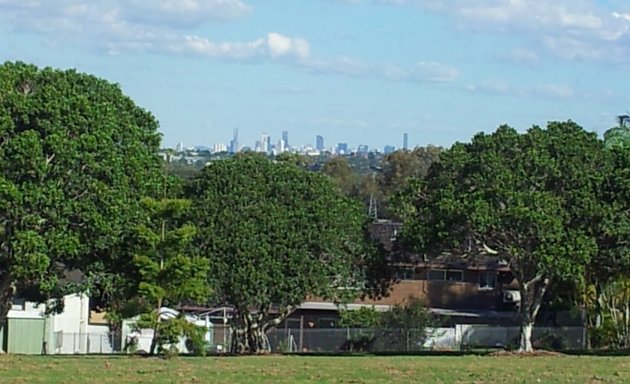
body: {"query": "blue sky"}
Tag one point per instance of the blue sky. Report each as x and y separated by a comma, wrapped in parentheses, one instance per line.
(355, 71)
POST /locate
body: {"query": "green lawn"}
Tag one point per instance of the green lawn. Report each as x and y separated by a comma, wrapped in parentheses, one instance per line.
(296, 369)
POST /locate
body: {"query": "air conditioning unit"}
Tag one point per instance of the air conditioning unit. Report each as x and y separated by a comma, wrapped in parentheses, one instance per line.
(511, 296)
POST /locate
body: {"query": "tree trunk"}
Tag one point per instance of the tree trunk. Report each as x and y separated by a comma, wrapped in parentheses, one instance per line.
(526, 336)
(248, 336)
(532, 294)
(7, 290)
(249, 331)
(156, 329)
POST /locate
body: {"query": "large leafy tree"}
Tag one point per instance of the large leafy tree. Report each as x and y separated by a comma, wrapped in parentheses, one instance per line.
(274, 234)
(528, 198)
(75, 156)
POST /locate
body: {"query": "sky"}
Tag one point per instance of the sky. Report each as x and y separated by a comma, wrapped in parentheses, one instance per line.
(355, 71)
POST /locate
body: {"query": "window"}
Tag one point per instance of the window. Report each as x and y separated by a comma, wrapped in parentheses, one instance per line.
(436, 274)
(18, 304)
(404, 273)
(454, 275)
(445, 275)
(326, 322)
(487, 280)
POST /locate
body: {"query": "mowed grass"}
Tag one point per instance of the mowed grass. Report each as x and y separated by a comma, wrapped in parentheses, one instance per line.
(315, 369)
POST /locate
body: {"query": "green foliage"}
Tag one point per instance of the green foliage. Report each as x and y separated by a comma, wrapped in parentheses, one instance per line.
(364, 317)
(170, 331)
(167, 273)
(393, 329)
(275, 234)
(75, 156)
(618, 136)
(339, 169)
(528, 197)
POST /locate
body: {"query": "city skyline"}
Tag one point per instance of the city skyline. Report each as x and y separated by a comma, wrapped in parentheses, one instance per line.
(355, 71)
(320, 143)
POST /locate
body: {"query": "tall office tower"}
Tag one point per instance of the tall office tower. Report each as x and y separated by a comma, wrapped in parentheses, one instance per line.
(285, 138)
(179, 147)
(269, 146)
(264, 143)
(281, 146)
(319, 143)
(342, 148)
(405, 141)
(234, 142)
(389, 149)
(363, 148)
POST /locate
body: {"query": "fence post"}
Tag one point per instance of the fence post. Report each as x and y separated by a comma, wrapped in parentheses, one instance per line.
(407, 341)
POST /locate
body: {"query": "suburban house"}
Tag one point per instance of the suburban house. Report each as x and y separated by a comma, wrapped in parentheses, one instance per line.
(473, 289)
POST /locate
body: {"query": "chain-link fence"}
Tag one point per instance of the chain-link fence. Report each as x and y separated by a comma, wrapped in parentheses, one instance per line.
(558, 338)
(331, 340)
(401, 340)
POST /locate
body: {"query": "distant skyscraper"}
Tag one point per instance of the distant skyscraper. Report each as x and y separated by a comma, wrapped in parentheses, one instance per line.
(389, 149)
(342, 148)
(363, 148)
(265, 143)
(405, 141)
(285, 138)
(179, 147)
(319, 143)
(281, 146)
(234, 142)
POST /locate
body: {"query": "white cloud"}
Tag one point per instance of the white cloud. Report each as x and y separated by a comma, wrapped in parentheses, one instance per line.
(274, 45)
(184, 13)
(434, 72)
(422, 72)
(570, 29)
(280, 45)
(117, 26)
(551, 91)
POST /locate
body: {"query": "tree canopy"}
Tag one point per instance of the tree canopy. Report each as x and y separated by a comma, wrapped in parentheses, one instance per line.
(275, 234)
(75, 156)
(526, 197)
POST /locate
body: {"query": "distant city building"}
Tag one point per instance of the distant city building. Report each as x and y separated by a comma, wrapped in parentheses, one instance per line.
(281, 146)
(405, 141)
(219, 147)
(234, 142)
(319, 143)
(285, 138)
(363, 148)
(264, 143)
(389, 149)
(342, 149)
(179, 147)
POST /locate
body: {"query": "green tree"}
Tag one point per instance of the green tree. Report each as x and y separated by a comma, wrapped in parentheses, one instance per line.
(338, 168)
(611, 228)
(619, 136)
(398, 169)
(167, 274)
(75, 157)
(400, 166)
(528, 198)
(275, 234)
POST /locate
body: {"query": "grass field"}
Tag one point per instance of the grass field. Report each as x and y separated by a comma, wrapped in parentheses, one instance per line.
(313, 369)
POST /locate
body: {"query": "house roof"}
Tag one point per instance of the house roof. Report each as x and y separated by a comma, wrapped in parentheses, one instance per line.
(386, 231)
